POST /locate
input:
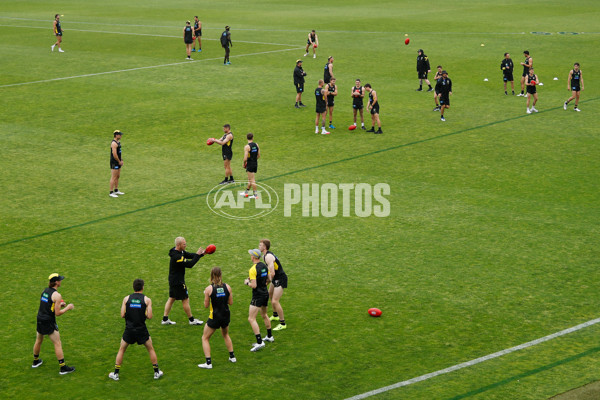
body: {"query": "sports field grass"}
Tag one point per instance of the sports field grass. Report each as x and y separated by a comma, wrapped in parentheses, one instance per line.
(491, 240)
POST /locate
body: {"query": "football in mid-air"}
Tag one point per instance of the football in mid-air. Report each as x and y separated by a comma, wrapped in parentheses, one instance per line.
(211, 248)
(374, 312)
(406, 41)
(352, 127)
(210, 141)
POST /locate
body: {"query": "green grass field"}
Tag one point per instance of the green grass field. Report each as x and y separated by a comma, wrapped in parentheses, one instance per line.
(491, 240)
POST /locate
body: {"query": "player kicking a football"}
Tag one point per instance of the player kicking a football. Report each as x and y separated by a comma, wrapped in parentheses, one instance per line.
(51, 303)
(251, 156)
(575, 84)
(258, 278)
(279, 279)
(313, 41)
(136, 309)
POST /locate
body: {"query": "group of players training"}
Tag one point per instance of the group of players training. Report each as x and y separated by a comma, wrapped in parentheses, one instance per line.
(530, 80)
(267, 280)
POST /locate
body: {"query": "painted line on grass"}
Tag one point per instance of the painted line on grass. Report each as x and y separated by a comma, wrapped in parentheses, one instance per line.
(141, 68)
(475, 361)
(527, 374)
(48, 21)
(145, 34)
(400, 146)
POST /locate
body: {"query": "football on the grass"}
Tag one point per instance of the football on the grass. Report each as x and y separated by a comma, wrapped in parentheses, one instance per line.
(374, 312)
(210, 249)
(406, 41)
(352, 127)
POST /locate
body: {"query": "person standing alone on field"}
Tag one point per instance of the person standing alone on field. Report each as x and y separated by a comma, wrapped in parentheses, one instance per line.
(313, 41)
(180, 260)
(226, 44)
(51, 303)
(251, 156)
(116, 163)
(136, 308)
(507, 68)
(58, 32)
(575, 84)
(423, 68)
(219, 297)
(299, 75)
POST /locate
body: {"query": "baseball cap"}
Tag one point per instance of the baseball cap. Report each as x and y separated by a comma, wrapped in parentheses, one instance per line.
(420, 51)
(444, 72)
(298, 61)
(117, 132)
(55, 277)
(255, 253)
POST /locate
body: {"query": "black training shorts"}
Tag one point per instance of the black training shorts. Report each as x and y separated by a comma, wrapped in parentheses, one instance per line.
(260, 301)
(251, 167)
(422, 74)
(178, 291)
(139, 336)
(280, 281)
(508, 77)
(299, 87)
(218, 321)
(46, 327)
(375, 109)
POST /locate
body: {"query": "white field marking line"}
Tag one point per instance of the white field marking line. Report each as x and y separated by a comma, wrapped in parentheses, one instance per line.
(141, 68)
(475, 361)
(143, 34)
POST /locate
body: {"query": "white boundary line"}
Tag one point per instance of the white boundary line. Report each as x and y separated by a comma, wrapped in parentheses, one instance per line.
(141, 68)
(141, 34)
(475, 361)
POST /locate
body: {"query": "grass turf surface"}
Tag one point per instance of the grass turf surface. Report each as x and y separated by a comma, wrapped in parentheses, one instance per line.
(494, 215)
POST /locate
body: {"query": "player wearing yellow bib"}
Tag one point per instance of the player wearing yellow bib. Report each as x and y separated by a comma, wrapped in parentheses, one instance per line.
(258, 278)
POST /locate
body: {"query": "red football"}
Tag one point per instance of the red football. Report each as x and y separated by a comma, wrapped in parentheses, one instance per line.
(211, 248)
(374, 312)
(352, 127)
(406, 41)
(315, 45)
(533, 83)
(210, 141)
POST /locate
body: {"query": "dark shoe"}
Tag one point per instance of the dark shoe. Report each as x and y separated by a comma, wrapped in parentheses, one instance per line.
(379, 131)
(437, 108)
(224, 182)
(363, 128)
(371, 130)
(430, 89)
(66, 370)
(419, 90)
(296, 105)
(37, 363)
(302, 105)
